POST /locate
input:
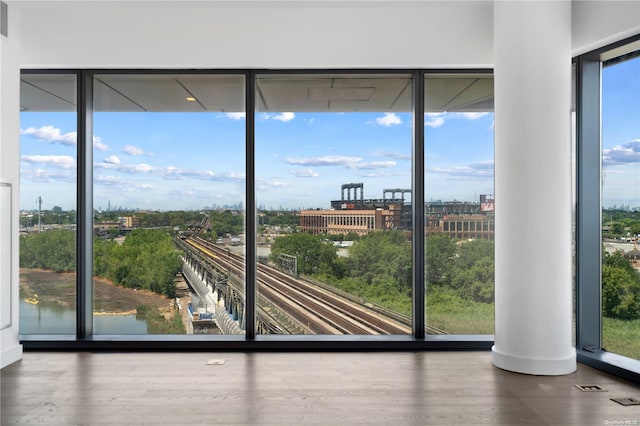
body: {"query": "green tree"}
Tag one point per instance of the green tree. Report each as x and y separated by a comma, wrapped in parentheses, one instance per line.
(313, 254)
(471, 252)
(616, 229)
(383, 257)
(476, 283)
(620, 288)
(147, 259)
(54, 250)
(440, 254)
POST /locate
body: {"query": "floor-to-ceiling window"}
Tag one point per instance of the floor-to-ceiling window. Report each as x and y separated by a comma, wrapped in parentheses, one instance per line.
(621, 206)
(48, 166)
(608, 205)
(459, 203)
(168, 181)
(333, 189)
(264, 203)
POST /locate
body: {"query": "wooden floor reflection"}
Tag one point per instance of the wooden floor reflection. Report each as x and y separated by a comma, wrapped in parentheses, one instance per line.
(425, 388)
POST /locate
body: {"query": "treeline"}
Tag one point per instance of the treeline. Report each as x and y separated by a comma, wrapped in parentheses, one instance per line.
(146, 260)
(617, 223)
(379, 266)
(54, 250)
(279, 218)
(220, 222)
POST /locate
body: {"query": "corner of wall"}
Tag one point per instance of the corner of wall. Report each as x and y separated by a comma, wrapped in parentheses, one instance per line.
(598, 23)
(10, 347)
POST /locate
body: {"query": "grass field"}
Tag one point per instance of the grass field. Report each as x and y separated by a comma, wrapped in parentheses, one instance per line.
(455, 315)
(621, 337)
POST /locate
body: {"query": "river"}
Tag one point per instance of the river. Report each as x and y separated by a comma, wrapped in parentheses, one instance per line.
(55, 319)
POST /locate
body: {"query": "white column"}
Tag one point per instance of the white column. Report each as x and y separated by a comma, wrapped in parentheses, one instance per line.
(533, 258)
(10, 347)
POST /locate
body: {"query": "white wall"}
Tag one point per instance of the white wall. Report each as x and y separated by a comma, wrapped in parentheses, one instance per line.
(598, 23)
(316, 34)
(10, 348)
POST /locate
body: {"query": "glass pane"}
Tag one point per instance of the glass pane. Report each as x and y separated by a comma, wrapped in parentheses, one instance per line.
(333, 184)
(48, 204)
(169, 188)
(459, 205)
(621, 207)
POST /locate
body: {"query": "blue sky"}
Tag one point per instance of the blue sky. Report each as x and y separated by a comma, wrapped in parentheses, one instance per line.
(621, 134)
(171, 161)
(168, 161)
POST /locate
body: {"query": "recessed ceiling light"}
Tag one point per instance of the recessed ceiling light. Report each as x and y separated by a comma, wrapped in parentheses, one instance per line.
(190, 99)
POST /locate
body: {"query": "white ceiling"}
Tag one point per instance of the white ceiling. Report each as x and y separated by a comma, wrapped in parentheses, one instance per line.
(274, 93)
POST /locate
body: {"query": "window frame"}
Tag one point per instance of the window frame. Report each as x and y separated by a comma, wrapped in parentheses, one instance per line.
(84, 339)
(588, 89)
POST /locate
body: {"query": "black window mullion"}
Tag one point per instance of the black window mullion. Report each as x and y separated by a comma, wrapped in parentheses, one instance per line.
(84, 235)
(250, 212)
(417, 200)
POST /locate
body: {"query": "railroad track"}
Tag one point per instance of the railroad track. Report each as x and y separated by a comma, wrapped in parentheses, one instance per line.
(317, 309)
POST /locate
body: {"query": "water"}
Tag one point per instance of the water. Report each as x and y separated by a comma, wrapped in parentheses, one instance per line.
(55, 319)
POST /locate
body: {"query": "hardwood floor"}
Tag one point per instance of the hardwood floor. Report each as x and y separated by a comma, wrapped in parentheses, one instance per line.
(426, 388)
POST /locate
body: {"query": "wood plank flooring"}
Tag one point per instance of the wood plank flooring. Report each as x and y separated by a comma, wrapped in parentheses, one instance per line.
(424, 388)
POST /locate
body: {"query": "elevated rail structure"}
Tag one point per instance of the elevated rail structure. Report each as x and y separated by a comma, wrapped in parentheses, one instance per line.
(288, 305)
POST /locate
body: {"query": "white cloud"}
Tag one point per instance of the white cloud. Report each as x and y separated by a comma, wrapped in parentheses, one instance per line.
(122, 184)
(109, 180)
(236, 115)
(267, 184)
(304, 173)
(41, 175)
(372, 165)
(60, 161)
(389, 119)
(209, 175)
(482, 169)
(484, 165)
(125, 168)
(326, 160)
(472, 115)
(97, 144)
(622, 154)
(170, 172)
(383, 174)
(133, 150)
(434, 119)
(284, 116)
(51, 134)
(394, 155)
(112, 159)
(354, 163)
(437, 119)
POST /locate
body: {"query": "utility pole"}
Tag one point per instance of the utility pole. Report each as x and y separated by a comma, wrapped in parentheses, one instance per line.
(39, 201)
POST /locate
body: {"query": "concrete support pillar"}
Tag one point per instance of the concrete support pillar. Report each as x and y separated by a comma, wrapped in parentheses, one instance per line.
(533, 309)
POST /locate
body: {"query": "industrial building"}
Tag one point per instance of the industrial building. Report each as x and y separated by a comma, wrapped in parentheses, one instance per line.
(357, 215)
